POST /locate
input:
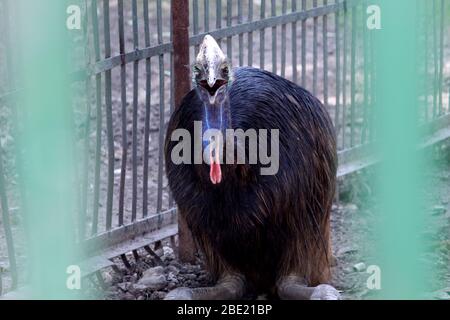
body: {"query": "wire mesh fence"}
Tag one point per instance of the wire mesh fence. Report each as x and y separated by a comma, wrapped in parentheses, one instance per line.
(124, 74)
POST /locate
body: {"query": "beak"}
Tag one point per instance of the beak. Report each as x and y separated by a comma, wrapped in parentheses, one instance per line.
(211, 78)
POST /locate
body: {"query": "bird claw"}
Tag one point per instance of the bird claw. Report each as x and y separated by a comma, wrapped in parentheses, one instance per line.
(325, 292)
(180, 294)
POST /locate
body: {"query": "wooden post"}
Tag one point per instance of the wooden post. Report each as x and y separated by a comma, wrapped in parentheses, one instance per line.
(180, 39)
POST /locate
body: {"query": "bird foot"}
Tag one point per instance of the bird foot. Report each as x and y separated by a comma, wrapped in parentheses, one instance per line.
(229, 287)
(295, 288)
(325, 292)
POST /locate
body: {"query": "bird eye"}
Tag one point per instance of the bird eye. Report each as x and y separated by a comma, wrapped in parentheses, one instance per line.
(225, 70)
(196, 69)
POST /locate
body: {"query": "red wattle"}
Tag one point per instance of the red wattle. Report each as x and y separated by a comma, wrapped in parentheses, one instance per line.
(215, 173)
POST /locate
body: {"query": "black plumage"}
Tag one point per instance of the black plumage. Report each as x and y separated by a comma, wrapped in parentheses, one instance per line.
(264, 227)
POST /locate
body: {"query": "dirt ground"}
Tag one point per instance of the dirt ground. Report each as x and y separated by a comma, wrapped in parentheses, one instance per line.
(353, 240)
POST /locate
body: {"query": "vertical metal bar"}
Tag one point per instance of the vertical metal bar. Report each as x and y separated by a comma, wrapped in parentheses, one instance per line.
(294, 45)
(148, 87)
(172, 96)
(273, 8)
(441, 64)
(7, 226)
(426, 75)
(366, 76)
(135, 112)
(229, 39)
(283, 40)
(353, 78)
(123, 95)
(435, 56)
(262, 35)
(338, 70)
(315, 49)
(304, 46)
(195, 21)
(241, 35)
(99, 120)
(161, 108)
(180, 27)
(85, 181)
(109, 120)
(218, 17)
(250, 34)
(4, 206)
(325, 57)
(344, 81)
(206, 12)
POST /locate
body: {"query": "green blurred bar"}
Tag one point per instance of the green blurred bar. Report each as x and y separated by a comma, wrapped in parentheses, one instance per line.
(47, 147)
(399, 185)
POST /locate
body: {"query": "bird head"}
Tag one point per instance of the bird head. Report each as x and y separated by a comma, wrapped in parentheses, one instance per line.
(211, 72)
(211, 75)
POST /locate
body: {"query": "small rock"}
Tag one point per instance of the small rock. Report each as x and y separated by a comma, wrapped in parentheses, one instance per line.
(154, 282)
(172, 269)
(359, 267)
(191, 276)
(124, 286)
(158, 295)
(168, 251)
(141, 298)
(156, 271)
(128, 296)
(172, 278)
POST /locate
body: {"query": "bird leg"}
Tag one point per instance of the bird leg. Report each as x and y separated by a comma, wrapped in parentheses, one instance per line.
(295, 288)
(229, 287)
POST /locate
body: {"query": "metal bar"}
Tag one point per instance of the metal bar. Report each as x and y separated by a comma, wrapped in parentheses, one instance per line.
(441, 64)
(241, 36)
(148, 87)
(229, 21)
(315, 50)
(283, 40)
(206, 12)
(366, 77)
(161, 108)
(435, 56)
(325, 57)
(195, 18)
(274, 37)
(250, 34)
(7, 226)
(344, 81)
(123, 91)
(426, 75)
(112, 62)
(304, 45)
(262, 34)
(135, 113)
(294, 45)
(109, 120)
(353, 79)
(99, 120)
(172, 98)
(84, 192)
(180, 27)
(338, 71)
(218, 18)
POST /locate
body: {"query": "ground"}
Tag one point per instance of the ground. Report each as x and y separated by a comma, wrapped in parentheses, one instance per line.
(352, 237)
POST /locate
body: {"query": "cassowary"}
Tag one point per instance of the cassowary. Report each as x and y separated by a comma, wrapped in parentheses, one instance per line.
(261, 233)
